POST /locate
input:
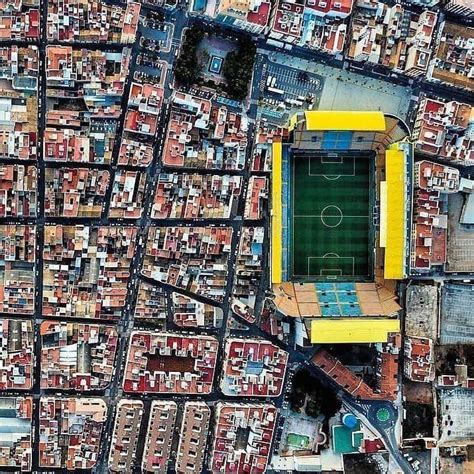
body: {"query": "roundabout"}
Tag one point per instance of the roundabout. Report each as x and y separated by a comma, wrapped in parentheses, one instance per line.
(383, 415)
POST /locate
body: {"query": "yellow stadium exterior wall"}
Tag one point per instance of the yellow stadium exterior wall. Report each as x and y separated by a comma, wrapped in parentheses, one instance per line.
(395, 215)
(276, 244)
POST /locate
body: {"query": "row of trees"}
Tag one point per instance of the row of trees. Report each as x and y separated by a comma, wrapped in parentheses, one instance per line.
(187, 67)
(238, 69)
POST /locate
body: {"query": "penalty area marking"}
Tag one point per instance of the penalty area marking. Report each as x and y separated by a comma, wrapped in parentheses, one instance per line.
(327, 257)
(326, 175)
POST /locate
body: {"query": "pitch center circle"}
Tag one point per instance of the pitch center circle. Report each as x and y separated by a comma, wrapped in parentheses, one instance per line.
(331, 216)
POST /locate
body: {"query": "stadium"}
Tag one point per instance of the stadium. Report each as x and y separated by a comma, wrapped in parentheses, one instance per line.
(340, 214)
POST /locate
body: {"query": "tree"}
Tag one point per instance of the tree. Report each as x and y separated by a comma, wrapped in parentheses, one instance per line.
(320, 399)
(187, 67)
(238, 69)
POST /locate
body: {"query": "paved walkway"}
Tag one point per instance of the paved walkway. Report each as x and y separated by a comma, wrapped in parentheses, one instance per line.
(345, 90)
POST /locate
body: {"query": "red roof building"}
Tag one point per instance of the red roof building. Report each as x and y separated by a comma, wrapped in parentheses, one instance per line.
(419, 363)
(169, 363)
(253, 368)
(242, 437)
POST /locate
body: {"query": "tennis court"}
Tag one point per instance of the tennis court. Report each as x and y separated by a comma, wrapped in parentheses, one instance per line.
(331, 216)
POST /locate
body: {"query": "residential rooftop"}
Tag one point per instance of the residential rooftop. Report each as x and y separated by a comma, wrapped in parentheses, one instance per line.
(172, 255)
(151, 303)
(19, 69)
(249, 15)
(170, 363)
(315, 24)
(99, 289)
(253, 368)
(192, 119)
(16, 415)
(193, 437)
(248, 272)
(453, 58)
(70, 432)
(127, 197)
(195, 196)
(242, 437)
(387, 373)
(419, 359)
(16, 354)
(94, 77)
(441, 129)
(135, 153)
(75, 192)
(91, 21)
(77, 356)
(190, 313)
(394, 37)
(20, 24)
(93, 142)
(18, 191)
(17, 268)
(128, 418)
(159, 436)
(257, 196)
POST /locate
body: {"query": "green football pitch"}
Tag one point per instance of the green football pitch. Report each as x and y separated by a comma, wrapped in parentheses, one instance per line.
(330, 218)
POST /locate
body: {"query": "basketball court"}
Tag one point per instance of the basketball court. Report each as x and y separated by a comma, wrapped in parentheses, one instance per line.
(331, 216)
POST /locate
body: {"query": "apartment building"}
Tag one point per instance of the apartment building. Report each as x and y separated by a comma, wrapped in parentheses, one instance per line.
(128, 419)
(444, 129)
(193, 438)
(162, 362)
(159, 436)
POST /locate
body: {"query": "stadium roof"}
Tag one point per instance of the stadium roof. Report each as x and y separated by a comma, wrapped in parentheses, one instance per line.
(276, 247)
(393, 215)
(350, 121)
(356, 330)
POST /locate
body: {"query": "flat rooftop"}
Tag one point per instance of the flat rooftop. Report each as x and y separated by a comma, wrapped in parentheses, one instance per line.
(457, 413)
(457, 314)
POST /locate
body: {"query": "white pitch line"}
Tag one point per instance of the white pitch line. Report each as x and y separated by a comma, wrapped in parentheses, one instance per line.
(300, 216)
(327, 176)
(308, 259)
(292, 238)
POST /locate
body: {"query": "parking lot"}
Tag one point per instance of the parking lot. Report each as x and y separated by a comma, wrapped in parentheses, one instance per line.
(160, 36)
(155, 43)
(293, 82)
(153, 75)
(284, 90)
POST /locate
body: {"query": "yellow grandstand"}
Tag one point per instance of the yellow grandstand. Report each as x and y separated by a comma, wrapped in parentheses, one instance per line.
(355, 331)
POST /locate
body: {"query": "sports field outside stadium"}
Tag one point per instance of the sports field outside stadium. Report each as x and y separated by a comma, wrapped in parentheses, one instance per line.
(331, 216)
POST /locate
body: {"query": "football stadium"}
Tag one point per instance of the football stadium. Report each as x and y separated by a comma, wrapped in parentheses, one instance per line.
(341, 208)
